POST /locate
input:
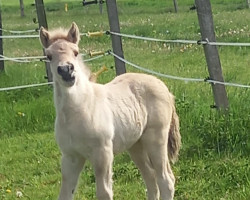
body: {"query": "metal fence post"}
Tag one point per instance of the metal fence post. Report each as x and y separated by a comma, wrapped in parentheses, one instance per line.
(205, 17)
(116, 40)
(43, 22)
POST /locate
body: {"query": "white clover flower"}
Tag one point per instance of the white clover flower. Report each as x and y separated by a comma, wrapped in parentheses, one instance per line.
(19, 194)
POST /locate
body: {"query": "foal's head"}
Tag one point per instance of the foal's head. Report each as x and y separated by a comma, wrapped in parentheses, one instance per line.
(61, 48)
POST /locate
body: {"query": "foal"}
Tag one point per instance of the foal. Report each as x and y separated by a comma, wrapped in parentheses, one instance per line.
(134, 112)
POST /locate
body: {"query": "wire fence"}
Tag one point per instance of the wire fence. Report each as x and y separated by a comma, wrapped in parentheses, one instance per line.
(47, 83)
(89, 34)
(177, 77)
(101, 33)
(25, 86)
(20, 32)
(28, 36)
(26, 59)
(199, 42)
(29, 59)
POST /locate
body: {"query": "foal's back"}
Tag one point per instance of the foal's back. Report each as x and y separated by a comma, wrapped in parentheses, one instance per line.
(148, 90)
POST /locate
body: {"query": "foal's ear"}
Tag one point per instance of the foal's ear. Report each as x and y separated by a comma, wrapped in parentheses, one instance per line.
(44, 37)
(73, 34)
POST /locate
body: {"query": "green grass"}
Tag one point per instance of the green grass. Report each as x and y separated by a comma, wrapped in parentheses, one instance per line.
(214, 160)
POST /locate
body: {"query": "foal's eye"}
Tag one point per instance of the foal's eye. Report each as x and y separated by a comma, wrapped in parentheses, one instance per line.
(76, 53)
(49, 57)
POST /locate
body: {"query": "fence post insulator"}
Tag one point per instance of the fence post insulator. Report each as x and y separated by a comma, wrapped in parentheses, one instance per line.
(95, 34)
(200, 42)
(85, 3)
(96, 53)
(93, 77)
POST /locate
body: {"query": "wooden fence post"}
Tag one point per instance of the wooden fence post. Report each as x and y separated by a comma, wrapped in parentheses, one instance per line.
(204, 12)
(1, 42)
(21, 8)
(248, 3)
(43, 22)
(175, 6)
(116, 40)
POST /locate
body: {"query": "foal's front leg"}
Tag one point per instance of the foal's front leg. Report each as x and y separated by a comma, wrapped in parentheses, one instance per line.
(71, 168)
(102, 162)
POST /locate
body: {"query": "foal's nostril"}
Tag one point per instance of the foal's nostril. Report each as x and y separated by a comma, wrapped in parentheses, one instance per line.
(66, 72)
(65, 69)
(71, 68)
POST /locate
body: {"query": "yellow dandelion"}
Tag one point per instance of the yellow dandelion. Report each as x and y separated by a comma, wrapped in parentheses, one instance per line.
(21, 114)
(8, 191)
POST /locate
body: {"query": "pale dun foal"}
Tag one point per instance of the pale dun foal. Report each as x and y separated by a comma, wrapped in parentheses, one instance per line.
(134, 112)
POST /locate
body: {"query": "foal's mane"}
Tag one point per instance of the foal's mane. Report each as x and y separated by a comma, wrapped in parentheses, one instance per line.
(58, 34)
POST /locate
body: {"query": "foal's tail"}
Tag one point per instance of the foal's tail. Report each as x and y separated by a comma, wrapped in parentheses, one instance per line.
(174, 137)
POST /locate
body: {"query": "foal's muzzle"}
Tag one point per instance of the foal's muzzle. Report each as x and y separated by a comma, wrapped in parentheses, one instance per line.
(66, 72)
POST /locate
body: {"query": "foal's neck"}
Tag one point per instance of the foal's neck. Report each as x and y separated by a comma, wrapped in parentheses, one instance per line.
(76, 97)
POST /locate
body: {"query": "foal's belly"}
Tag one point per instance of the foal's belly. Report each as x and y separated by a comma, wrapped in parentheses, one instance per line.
(120, 144)
(126, 136)
(129, 123)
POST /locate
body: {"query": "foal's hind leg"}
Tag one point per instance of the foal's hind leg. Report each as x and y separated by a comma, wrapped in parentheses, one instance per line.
(156, 143)
(141, 159)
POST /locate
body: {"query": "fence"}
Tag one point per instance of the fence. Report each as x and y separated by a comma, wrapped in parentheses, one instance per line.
(210, 48)
(109, 52)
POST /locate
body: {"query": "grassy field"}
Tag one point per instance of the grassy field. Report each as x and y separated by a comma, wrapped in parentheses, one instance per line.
(214, 161)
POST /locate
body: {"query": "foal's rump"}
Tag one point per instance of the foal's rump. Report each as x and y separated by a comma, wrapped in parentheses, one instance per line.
(138, 102)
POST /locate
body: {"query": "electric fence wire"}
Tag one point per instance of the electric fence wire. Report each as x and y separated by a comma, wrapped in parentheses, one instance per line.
(47, 83)
(132, 64)
(178, 40)
(23, 59)
(19, 32)
(29, 59)
(137, 37)
(25, 86)
(28, 36)
(176, 77)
